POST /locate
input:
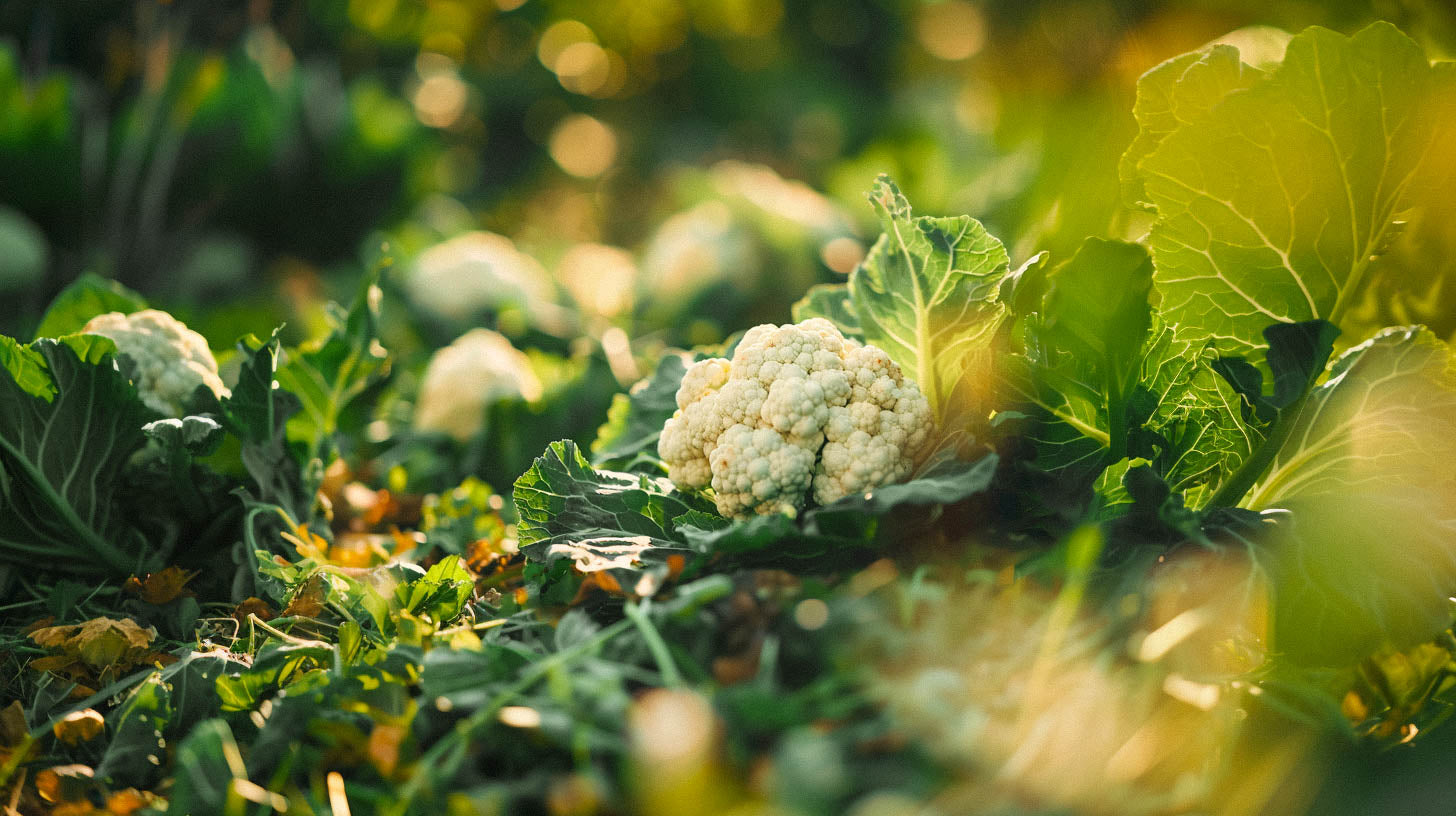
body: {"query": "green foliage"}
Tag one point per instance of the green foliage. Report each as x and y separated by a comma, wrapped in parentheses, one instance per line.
(74, 420)
(257, 413)
(1082, 360)
(599, 520)
(1363, 466)
(926, 293)
(327, 374)
(634, 421)
(455, 520)
(1110, 412)
(1278, 192)
(440, 594)
(86, 297)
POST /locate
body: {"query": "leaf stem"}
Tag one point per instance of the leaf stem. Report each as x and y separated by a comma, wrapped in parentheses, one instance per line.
(1231, 492)
(637, 613)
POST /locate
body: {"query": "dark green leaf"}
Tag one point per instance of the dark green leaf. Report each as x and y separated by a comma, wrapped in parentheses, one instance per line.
(258, 412)
(601, 520)
(1297, 355)
(61, 460)
(1083, 358)
(327, 374)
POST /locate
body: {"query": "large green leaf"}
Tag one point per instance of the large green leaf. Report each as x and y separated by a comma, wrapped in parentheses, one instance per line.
(1370, 553)
(88, 296)
(1178, 91)
(62, 451)
(601, 520)
(1274, 202)
(926, 293)
(1081, 357)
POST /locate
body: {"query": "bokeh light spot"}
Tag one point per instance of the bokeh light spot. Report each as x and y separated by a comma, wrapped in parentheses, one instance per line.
(582, 67)
(811, 614)
(558, 37)
(583, 146)
(951, 31)
(842, 254)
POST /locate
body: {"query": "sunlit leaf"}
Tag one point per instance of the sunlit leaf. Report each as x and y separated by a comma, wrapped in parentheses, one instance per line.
(832, 302)
(926, 292)
(1178, 91)
(1273, 204)
(88, 296)
(1367, 557)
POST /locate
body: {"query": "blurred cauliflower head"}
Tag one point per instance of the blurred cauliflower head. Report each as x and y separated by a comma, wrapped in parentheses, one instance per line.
(799, 407)
(475, 272)
(171, 360)
(466, 377)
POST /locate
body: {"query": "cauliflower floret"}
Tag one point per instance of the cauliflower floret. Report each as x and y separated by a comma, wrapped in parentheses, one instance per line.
(797, 406)
(463, 379)
(171, 360)
(701, 378)
(757, 469)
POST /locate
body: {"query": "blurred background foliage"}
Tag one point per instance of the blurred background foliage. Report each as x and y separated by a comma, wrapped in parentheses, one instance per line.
(674, 168)
(595, 181)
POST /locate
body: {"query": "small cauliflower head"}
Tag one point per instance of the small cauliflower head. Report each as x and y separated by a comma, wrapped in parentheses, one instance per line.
(463, 379)
(171, 360)
(798, 408)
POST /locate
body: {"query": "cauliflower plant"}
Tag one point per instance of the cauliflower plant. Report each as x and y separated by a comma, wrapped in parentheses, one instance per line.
(464, 378)
(798, 407)
(171, 359)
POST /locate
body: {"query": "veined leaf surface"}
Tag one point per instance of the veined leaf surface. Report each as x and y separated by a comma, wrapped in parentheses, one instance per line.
(62, 450)
(1273, 204)
(926, 292)
(1178, 91)
(1370, 555)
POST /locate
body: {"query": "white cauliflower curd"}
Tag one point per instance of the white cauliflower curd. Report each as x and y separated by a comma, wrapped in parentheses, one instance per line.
(463, 379)
(171, 360)
(798, 406)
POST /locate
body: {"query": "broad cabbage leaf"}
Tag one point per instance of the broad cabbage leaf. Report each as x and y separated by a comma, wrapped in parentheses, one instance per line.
(1369, 555)
(1274, 202)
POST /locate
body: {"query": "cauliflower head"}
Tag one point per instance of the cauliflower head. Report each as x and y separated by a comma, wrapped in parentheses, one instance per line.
(171, 360)
(473, 272)
(463, 379)
(798, 408)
